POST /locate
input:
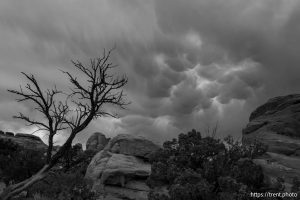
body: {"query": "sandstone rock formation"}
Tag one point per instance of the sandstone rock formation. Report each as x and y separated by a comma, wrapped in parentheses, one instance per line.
(120, 170)
(28, 136)
(132, 145)
(96, 142)
(25, 140)
(277, 124)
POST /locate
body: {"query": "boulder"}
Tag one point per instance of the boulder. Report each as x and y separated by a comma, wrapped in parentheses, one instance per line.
(96, 142)
(120, 170)
(132, 145)
(115, 169)
(119, 175)
(277, 124)
(97, 165)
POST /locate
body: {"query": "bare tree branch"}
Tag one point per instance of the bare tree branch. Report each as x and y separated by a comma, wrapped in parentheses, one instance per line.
(84, 103)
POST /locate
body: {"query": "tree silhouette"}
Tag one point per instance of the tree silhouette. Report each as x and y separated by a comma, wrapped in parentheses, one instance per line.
(71, 111)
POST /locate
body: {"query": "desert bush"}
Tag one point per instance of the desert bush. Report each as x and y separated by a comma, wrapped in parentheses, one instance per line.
(78, 161)
(70, 157)
(18, 163)
(7, 147)
(38, 196)
(205, 168)
(63, 186)
(24, 164)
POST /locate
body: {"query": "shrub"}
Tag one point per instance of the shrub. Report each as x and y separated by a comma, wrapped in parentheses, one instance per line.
(38, 196)
(205, 168)
(18, 163)
(78, 161)
(63, 186)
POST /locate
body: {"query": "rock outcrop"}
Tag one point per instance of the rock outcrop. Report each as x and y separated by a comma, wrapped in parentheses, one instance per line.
(27, 141)
(96, 142)
(28, 136)
(132, 145)
(120, 170)
(78, 146)
(277, 124)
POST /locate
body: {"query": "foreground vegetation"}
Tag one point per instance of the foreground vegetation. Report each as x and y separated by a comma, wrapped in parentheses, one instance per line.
(196, 168)
(189, 167)
(65, 182)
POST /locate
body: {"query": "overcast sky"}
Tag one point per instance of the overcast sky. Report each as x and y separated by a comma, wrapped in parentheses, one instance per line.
(190, 63)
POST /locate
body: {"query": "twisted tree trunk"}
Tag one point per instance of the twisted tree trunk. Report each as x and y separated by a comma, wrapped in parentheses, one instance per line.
(15, 189)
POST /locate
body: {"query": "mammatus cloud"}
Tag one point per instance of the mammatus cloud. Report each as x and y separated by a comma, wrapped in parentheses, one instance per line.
(189, 63)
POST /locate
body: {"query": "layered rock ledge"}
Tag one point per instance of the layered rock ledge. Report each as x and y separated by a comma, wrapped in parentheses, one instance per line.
(120, 170)
(27, 141)
(277, 124)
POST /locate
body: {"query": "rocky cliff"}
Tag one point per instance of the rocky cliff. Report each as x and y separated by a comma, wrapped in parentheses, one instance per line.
(27, 141)
(277, 124)
(120, 170)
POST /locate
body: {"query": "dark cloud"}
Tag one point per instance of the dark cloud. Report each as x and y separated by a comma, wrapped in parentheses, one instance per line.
(189, 63)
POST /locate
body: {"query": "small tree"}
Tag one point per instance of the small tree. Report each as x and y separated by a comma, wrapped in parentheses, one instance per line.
(84, 103)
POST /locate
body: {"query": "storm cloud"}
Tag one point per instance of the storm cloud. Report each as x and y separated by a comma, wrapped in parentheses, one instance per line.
(190, 63)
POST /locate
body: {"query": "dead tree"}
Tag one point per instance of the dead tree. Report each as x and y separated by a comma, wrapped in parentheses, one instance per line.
(85, 102)
(53, 111)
